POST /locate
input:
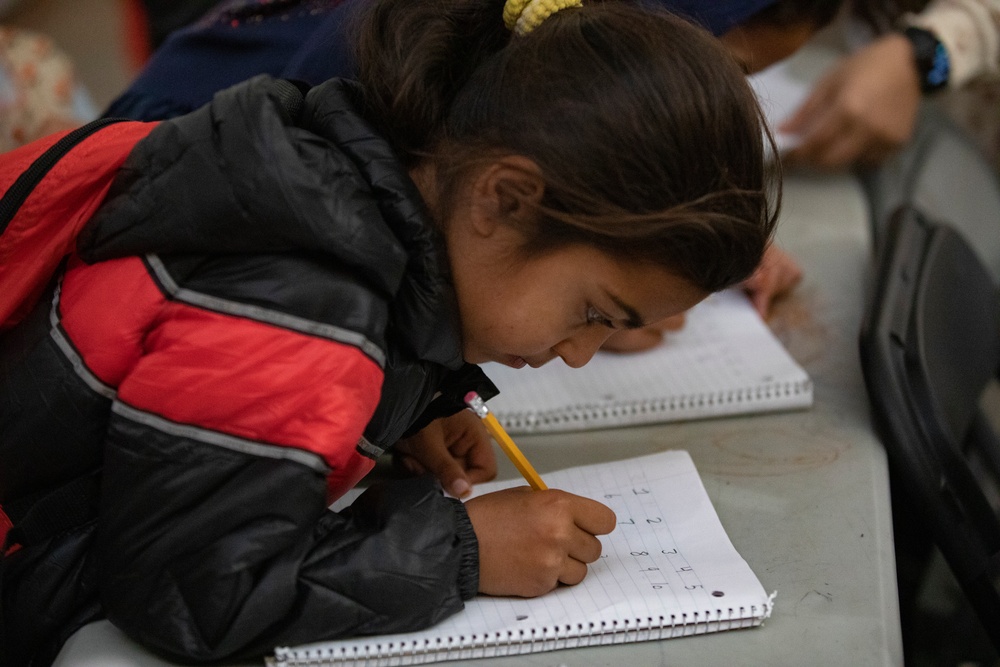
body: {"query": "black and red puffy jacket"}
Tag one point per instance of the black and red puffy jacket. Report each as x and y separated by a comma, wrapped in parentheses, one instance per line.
(257, 311)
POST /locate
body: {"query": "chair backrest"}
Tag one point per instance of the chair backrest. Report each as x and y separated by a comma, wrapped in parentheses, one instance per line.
(930, 347)
(943, 173)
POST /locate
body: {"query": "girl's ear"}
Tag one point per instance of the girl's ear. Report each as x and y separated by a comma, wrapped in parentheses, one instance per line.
(507, 190)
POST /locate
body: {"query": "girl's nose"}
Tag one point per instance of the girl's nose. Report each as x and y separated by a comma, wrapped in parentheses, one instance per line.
(581, 347)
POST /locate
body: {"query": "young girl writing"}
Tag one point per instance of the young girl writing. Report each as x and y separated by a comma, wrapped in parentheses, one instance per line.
(277, 289)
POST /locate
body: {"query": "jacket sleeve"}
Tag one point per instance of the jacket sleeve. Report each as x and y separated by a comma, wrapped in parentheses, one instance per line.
(208, 553)
(214, 538)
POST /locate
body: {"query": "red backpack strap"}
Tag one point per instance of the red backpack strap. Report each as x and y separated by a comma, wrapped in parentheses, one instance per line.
(5, 525)
(51, 188)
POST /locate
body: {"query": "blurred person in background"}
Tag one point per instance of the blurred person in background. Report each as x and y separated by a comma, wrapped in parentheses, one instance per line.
(865, 108)
(39, 91)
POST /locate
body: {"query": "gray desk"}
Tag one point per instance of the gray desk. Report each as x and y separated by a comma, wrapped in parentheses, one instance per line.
(803, 495)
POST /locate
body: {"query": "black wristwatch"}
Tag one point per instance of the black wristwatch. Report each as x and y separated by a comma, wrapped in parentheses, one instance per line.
(931, 58)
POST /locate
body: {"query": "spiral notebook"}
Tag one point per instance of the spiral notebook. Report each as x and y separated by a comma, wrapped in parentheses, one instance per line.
(667, 570)
(724, 361)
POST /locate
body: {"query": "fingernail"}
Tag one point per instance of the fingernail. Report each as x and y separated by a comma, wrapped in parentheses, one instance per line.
(460, 488)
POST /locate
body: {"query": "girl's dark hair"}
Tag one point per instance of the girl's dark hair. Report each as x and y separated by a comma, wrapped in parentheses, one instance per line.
(648, 137)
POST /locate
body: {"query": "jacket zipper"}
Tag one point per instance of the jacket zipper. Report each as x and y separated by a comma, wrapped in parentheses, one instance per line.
(36, 171)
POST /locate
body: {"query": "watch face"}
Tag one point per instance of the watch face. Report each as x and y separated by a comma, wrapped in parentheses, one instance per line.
(931, 58)
(937, 77)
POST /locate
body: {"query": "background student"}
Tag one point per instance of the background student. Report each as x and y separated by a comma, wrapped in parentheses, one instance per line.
(276, 290)
(865, 108)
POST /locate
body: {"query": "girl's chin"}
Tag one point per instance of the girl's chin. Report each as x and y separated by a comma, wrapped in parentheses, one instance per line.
(509, 360)
(516, 362)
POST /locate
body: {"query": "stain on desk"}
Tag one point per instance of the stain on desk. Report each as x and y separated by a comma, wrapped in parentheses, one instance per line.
(782, 452)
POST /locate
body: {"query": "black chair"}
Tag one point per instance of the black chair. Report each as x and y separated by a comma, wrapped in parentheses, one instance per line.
(930, 348)
(944, 174)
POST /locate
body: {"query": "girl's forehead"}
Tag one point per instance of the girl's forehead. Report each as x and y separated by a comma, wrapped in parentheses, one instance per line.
(641, 292)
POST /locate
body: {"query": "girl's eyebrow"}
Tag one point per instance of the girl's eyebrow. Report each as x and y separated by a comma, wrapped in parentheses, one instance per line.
(632, 318)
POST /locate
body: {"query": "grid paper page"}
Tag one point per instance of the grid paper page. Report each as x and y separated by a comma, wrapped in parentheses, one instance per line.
(781, 90)
(668, 569)
(724, 361)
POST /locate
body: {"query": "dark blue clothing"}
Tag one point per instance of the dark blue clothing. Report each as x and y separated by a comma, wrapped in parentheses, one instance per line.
(302, 40)
(718, 17)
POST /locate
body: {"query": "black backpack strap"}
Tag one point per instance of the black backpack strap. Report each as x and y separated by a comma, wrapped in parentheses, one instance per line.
(29, 178)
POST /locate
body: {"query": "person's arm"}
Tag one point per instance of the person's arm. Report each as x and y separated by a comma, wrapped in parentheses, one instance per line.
(865, 108)
(214, 540)
(970, 33)
(209, 554)
(214, 537)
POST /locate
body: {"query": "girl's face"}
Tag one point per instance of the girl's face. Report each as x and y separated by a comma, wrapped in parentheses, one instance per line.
(519, 309)
(565, 303)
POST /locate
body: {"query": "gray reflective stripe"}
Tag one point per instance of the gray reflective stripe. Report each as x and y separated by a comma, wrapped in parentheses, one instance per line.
(368, 449)
(267, 315)
(71, 354)
(231, 442)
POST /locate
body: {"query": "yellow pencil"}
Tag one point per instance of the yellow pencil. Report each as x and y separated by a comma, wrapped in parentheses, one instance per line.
(478, 406)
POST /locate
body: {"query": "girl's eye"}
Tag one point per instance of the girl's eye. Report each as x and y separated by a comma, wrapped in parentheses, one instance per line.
(595, 316)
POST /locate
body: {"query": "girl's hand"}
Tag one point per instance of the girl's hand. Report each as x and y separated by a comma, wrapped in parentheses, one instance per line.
(777, 274)
(457, 450)
(648, 337)
(531, 541)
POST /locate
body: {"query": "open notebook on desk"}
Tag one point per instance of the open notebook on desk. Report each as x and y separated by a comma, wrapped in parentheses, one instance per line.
(667, 570)
(724, 361)
(781, 89)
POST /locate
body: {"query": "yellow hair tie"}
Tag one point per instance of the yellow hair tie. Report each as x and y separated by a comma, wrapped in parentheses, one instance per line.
(523, 16)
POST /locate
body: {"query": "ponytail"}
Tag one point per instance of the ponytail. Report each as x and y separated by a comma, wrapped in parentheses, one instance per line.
(415, 55)
(648, 137)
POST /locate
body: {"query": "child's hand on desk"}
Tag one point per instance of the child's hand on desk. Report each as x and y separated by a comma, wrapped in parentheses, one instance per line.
(777, 275)
(648, 337)
(531, 541)
(457, 450)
